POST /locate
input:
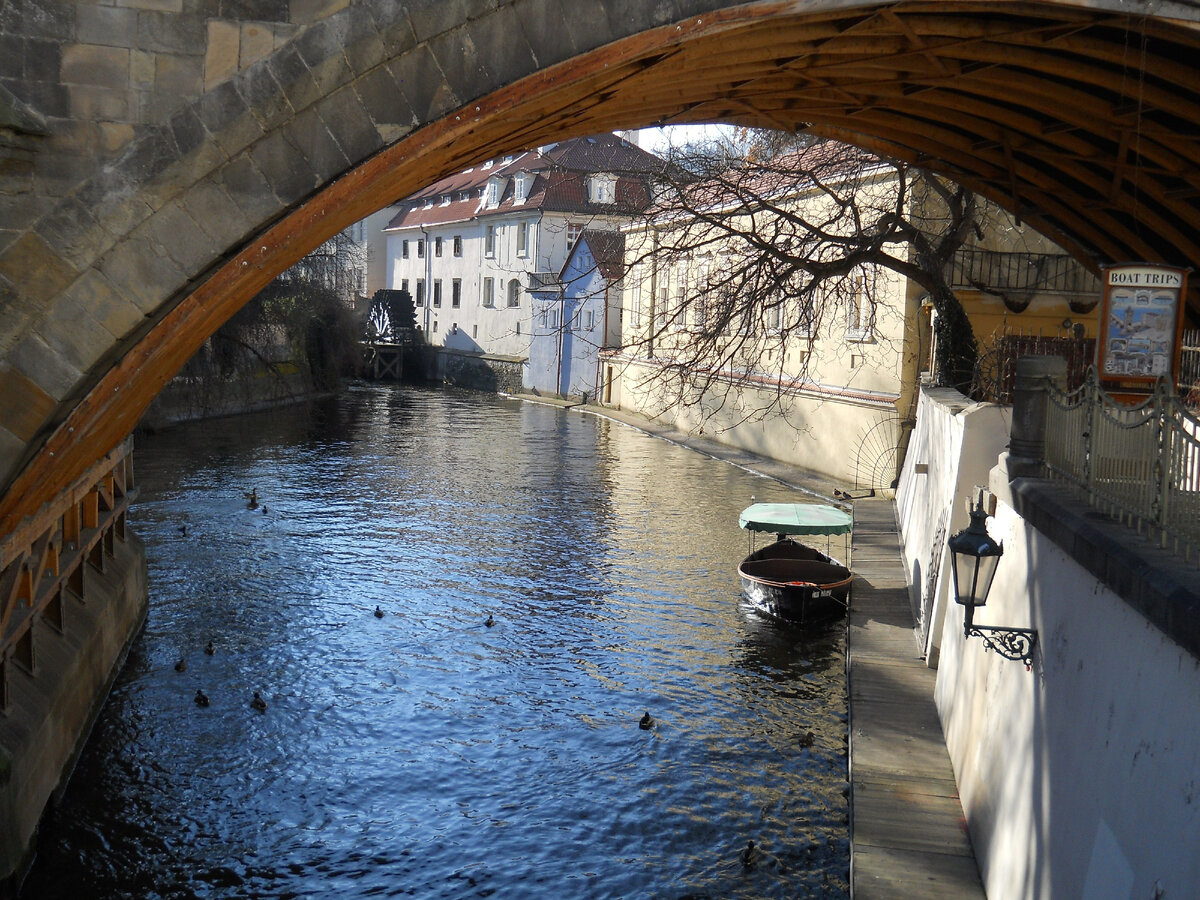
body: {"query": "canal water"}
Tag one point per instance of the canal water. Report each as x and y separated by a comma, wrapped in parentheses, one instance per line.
(424, 753)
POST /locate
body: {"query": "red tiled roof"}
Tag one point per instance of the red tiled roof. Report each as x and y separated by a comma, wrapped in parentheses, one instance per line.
(608, 248)
(558, 183)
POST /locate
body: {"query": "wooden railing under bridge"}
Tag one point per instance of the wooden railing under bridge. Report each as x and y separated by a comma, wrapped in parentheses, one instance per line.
(43, 562)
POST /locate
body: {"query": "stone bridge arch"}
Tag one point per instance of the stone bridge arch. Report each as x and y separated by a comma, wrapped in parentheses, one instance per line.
(162, 160)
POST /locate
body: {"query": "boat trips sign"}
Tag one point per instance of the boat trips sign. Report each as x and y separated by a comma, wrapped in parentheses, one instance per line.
(1141, 324)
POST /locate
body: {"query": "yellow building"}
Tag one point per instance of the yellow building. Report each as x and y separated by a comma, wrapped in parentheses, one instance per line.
(824, 378)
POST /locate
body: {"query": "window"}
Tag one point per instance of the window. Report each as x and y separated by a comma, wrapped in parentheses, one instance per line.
(420, 292)
(519, 188)
(404, 249)
(489, 241)
(772, 317)
(602, 189)
(437, 292)
(514, 293)
(492, 193)
(489, 292)
(421, 249)
(635, 298)
(554, 318)
(860, 307)
(437, 246)
(458, 245)
(589, 320)
(573, 232)
(456, 293)
(404, 284)
(522, 239)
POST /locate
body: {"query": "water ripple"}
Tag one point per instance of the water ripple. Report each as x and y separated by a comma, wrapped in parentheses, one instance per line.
(425, 753)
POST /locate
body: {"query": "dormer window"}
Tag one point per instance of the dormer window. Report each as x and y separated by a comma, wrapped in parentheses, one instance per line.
(519, 187)
(492, 192)
(602, 189)
(446, 200)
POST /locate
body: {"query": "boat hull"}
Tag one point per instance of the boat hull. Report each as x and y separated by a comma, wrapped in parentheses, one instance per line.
(795, 583)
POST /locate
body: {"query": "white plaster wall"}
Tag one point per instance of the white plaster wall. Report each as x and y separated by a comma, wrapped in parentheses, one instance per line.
(819, 433)
(952, 449)
(1080, 778)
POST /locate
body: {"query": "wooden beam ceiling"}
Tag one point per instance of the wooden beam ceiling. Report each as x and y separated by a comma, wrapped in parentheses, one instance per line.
(1082, 123)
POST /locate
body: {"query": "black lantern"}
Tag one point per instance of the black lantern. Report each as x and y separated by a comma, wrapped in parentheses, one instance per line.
(975, 557)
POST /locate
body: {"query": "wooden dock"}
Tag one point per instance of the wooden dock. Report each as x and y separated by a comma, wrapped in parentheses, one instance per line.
(908, 835)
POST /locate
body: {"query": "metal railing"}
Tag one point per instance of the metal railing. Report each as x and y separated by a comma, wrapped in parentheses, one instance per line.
(1139, 464)
(43, 562)
(995, 370)
(1021, 273)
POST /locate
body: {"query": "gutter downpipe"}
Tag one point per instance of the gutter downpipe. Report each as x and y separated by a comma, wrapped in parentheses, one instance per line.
(428, 283)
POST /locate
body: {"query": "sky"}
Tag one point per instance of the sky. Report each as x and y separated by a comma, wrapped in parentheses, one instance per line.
(656, 140)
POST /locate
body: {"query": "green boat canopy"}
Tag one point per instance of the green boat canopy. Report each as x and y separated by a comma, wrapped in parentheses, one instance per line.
(796, 518)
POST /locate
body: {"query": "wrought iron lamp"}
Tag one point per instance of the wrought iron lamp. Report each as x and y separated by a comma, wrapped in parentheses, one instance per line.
(975, 557)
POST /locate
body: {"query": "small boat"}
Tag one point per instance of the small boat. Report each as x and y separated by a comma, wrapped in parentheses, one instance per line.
(789, 580)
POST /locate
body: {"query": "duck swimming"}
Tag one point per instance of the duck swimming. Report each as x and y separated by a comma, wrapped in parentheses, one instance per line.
(647, 722)
(490, 621)
(201, 698)
(750, 855)
(252, 499)
(181, 665)
(258, 703)
(210, 649)
(378, 613)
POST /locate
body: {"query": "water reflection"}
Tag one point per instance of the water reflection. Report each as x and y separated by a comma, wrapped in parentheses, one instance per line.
(424, 753)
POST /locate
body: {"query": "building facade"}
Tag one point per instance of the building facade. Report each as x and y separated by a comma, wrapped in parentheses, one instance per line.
(468, 248)
(828, 379)
(576, 318)
(824, 381)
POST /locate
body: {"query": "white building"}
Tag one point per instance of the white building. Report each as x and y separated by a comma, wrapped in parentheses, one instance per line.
(466, 248)
(576, 318)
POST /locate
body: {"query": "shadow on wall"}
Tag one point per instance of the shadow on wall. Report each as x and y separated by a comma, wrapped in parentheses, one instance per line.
(458, 339)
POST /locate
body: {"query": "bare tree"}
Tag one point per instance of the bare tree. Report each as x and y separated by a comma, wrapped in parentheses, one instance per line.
(339, 265)
(304, 315)
(758, 242)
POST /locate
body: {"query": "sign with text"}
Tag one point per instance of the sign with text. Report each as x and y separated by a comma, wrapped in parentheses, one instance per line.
(1141, 322)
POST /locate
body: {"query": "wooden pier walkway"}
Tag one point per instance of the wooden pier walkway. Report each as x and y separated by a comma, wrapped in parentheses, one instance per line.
(908, 835)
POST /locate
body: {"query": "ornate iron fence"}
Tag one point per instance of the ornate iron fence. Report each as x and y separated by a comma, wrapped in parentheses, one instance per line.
(995, 370)
(1139, 464)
